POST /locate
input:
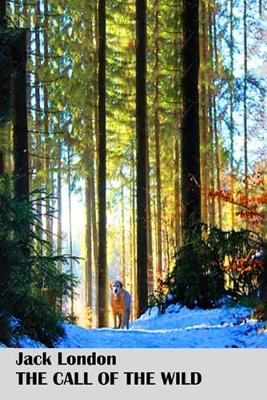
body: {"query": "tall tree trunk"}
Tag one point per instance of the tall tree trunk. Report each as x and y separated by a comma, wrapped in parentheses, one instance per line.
(203, 114)
(39, 146)
(215, 46)
(96, 137)
(190, 154)
(95, 169)
(70, 231)
(48, 186)
(245, 107)
(177, 191)
(215, 126)
(59, 215)
(212, 214)
(20, 132)
(260, 8)
(131, 251)
(264, 291)
(212, 161)
(94, 225)
(89, 157)
(123, 258)
(102, 241)
(90, 237)
(178, 123)
(1, 163)
(88, 261)
(217, 162)
(157, 141)
(232, 111)
(2, 23)
(94, 183)
(133, 233)
(167, 245)
(8, 161)
(150, 272)
(2, 11)
(141, 156)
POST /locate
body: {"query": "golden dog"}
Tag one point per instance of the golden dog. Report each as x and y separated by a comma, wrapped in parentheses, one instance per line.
(121, 304)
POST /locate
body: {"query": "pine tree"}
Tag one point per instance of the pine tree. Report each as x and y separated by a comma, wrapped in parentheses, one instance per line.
(190, 152)
(245, 101)
(157, 139)
(141, 155)
(102, 243)
(20, 132)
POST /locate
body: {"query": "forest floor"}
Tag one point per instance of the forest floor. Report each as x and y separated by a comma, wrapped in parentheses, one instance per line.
(179, 327)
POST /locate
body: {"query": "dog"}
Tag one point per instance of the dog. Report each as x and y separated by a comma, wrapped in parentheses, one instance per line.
(121, 305)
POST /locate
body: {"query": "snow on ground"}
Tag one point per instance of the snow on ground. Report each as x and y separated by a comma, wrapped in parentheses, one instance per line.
(178, 328)
(29, 343)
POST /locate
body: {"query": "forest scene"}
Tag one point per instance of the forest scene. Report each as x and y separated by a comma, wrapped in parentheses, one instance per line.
(133, 173)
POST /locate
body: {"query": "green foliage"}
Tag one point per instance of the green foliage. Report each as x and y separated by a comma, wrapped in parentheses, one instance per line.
(205, 269)
(198, 276)
(247, 301)
(38, 320)
(5, 328)
(31, 286)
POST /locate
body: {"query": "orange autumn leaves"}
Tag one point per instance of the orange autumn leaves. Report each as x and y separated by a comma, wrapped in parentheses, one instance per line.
(249, 208)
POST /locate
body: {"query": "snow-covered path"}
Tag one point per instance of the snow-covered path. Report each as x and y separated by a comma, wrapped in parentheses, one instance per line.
(178, 328)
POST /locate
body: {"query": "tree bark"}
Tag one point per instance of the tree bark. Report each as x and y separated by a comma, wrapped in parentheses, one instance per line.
(215, 125)
(260, 8)
(190, 153)
(39, 146)
(264, 292)
(178, 124)
(2, 163)
(70, 231)
(141, 167)
(59, 216)
(48, 183)
(2, 23)
(95, 169)
(177, 191)
(133, 233)
(88, 261)
(157, 141)
(102, 242)
(2, 10)
(212, 213)
(123, 257)
(150, 272)
(203, 114)
(20, 132)
(212, 162)
(231, 90)
(217, 162)
(245, 107)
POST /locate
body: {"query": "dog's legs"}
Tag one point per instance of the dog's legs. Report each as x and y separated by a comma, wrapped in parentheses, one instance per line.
(115, 320)
(127, 318)
(123, 320)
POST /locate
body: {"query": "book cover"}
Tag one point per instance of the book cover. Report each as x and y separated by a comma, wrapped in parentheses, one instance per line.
(132, 196)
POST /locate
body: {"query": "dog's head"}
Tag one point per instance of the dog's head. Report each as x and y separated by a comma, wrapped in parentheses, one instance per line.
(116, 287)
